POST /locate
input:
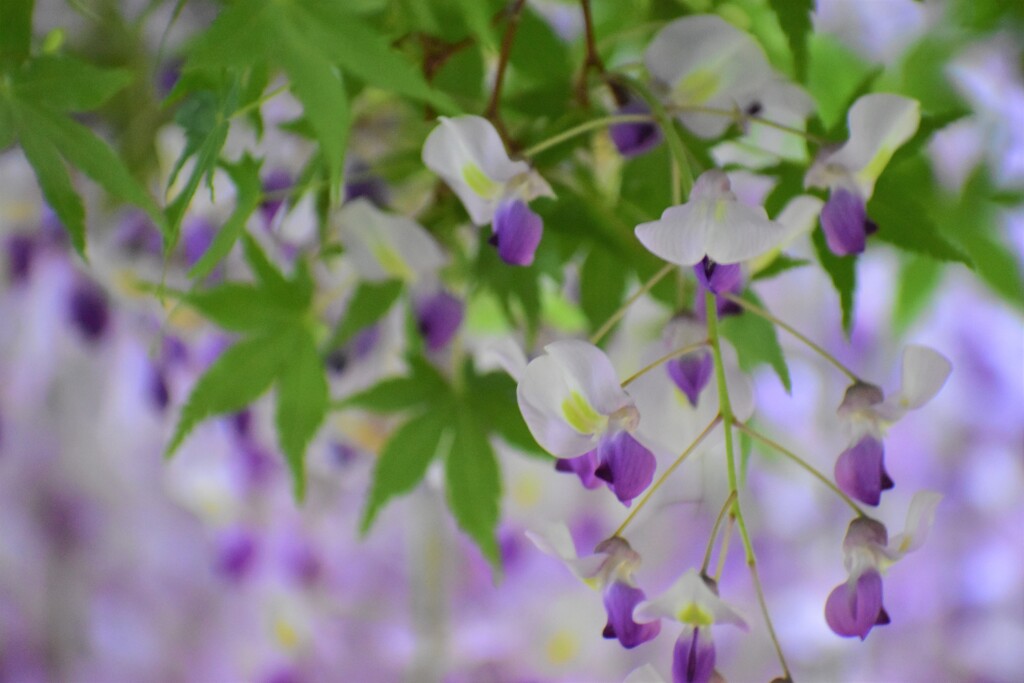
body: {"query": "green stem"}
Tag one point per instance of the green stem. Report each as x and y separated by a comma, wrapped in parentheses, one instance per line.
(802, 463)
(725, 409)
(584, 127)
(617, 315)
(739, 116)
(681, 351)
(760, 312)
(661, 480)
(259, 103)
(714, 533)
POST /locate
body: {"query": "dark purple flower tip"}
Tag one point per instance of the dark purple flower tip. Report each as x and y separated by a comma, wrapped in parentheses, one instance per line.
(276, 183)
(137, 235)
(198, 236)
(853, 609)
(21, 250)
(719, 278)
(439, 317)
(626, 465)
(167, 77)
(236, 554)
(634, 139)
(693, 657)
(517, 232)
(90, 312)
(361, 183)
(860, 471)
(159, 393)
(619, 600)
(691, 373)
(845, 223)
(583, 466)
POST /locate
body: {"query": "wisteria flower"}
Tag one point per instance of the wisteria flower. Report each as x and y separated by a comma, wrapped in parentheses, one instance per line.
(574, 406)
(386, 246)
(468, 154)
(713, 224)
(610, 570)
(855, 607)
(879, 124)
(703, 61)
(691, 601)
(860, 469)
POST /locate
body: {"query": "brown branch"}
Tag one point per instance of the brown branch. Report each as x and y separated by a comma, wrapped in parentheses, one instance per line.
(592, 59)
(493, 105)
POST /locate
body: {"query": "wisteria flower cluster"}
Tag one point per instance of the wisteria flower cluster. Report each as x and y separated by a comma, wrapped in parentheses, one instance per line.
(432, 306)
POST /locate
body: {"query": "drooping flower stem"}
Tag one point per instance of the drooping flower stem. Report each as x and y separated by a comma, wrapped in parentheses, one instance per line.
(681, 351)
(661, 480)
(725, 410)
(739, 116)
(714, 534)
(586, 126)
(762, 313)
(617, 315)
(802, 463)
(723, 549)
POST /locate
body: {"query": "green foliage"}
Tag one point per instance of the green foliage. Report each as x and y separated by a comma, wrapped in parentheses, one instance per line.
(795, 19)
(835, 76)
(842, 270)
(474, 483)
(302, 403)
(602, 286)
(780, 264)
(246, 177)
(370, 303)
(15, 30)
(919, 278)
(756, 342)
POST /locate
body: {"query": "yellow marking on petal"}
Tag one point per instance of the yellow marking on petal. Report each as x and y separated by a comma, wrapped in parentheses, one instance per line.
(874, 168)
(696, 88)
(391, 262)
(526, 491)
(694, 614)
(593, 582)
(581, 416)
(562, 647)
(720, 209)
(285, 633)
(479, 182)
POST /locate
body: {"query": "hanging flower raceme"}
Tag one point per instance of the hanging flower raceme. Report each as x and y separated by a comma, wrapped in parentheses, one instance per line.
(576, 409)
(610, 570)
(855, 607)
(705, 62)
(713, 232)
(692, 601)
(468, 154)
(879, 124)
(860, 469)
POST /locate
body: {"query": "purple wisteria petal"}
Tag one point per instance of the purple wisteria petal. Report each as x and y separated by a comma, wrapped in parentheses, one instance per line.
(845, 223)
(691, 373)
(860, 471)
(583, 466)
(274, 184)
(517, 232)
(719, 278)
(626, 465)
(21, 249)
(619, 600)
(634, 139)
(236, 554)
(852, 609)
(198, 236)
(693, 657)
(438, 318)
(90, 311)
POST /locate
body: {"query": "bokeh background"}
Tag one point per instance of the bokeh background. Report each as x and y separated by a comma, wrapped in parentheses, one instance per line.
(118, 566)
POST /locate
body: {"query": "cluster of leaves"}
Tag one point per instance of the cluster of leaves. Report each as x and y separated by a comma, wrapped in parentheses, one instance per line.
(339, 58)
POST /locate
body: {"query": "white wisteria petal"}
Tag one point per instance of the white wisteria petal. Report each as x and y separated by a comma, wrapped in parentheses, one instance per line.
(468, 154)
(645, 674)
(504, 353)
(384, 246)
(920, 517)
(763, 145)
(924, 373)
(713, 223)
(879, 124)
(541, 394)
(705, 61)
(588, 370)
(554, 539)
(690, 601)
